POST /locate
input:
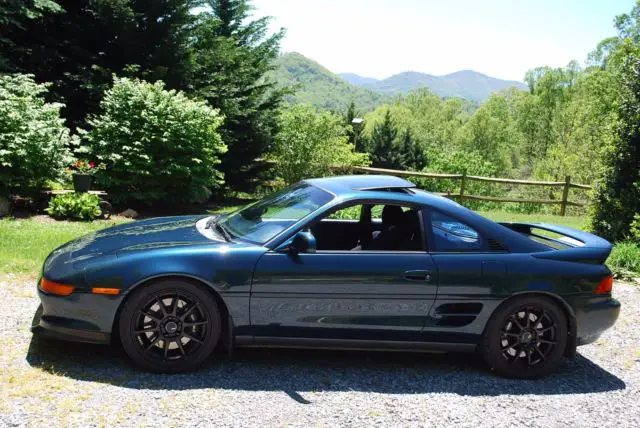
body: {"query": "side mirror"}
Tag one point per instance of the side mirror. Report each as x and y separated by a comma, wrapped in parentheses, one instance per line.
(303, 242)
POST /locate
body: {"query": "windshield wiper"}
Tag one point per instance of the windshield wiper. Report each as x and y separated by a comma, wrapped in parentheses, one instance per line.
(224, 232)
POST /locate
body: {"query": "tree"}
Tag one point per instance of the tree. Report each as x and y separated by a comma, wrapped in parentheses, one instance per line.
(310, 142)
(414, 156)
(493, 131)
(13, 15)
(33, 139)
(157, 145)
(231, 56)
(617, 194)
(80, 48)
(383, 149)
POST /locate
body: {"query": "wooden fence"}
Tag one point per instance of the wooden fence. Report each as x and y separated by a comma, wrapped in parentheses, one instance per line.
(564, 202)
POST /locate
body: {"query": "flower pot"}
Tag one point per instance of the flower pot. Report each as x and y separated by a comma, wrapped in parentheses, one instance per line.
(82, 182)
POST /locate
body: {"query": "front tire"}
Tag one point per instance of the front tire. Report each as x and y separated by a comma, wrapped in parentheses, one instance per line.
(170, 326)
(526, 338)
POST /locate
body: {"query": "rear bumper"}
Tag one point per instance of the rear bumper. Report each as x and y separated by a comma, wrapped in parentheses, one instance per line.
(79, 318)
(594, 318)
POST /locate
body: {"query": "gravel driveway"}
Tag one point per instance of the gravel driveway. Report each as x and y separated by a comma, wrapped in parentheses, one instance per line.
(60, 384)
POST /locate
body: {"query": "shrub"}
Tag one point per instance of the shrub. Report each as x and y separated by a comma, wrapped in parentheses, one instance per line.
(77, 206)
(156, 145)
(33, 138)
(624, 260)
(310, 142)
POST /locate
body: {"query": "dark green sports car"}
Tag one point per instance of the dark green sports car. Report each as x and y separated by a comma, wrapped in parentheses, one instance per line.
(357, 262)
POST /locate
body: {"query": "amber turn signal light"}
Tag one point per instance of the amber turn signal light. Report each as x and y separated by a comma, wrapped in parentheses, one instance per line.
(107, 291)
(605, 286)
(55, 287)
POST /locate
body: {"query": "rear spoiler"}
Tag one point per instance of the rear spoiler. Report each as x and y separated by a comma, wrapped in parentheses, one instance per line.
(582, 246)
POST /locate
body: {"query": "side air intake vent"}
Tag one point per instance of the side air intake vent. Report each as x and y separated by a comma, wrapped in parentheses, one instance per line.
(495, 245)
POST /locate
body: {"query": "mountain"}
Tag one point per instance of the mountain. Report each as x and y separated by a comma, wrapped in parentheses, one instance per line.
(311, 83)
(467, 84)
(355, 79)
(314, 84)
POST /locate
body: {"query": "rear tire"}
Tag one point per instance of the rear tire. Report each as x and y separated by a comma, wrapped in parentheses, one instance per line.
(525, 338)
(170, 326)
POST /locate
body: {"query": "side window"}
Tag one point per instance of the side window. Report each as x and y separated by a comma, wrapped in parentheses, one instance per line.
(449, 234)
(370, 228)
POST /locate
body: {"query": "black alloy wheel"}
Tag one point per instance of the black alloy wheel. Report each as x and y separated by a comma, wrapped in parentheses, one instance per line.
(526, 337)
(170, 326)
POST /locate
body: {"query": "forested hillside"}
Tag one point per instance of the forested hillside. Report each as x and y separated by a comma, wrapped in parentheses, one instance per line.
(311, 83)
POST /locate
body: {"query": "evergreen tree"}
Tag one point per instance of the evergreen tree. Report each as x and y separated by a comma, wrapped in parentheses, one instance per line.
(414, 158)
(81, 47)
(231, 55)
(13, 16)
(382, 147)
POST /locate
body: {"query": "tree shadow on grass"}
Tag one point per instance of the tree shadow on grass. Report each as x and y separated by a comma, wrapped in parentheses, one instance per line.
(294, 371)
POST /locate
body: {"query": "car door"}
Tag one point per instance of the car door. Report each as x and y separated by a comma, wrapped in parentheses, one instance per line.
(471, 277)
(351, 295)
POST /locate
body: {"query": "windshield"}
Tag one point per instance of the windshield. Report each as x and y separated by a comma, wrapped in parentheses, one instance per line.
(263, 220)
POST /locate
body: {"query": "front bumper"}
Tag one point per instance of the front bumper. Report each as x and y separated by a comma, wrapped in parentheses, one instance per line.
(593, 318)
(80, 317)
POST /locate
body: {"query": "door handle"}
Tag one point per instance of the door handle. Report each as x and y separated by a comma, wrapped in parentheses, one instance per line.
(418, 275)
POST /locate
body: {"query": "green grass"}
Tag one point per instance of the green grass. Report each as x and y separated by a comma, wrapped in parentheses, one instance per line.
(575, 222)
(624, 260)
(25, 243)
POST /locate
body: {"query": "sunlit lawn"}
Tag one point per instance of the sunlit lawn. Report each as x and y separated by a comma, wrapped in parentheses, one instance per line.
(24, 243)
(571, 221)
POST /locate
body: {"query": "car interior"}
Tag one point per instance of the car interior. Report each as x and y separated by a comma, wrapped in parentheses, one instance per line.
(379, 228)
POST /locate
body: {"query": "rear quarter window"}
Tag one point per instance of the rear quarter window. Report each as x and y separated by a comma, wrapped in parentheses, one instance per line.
(450, 234)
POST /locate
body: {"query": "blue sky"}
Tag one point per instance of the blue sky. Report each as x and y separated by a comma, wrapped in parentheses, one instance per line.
(501, 38)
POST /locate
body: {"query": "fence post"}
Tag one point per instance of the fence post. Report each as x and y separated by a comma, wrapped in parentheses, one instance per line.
(462, 182)
(565, 195)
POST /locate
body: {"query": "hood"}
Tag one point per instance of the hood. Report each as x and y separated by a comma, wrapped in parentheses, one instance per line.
(139, 235)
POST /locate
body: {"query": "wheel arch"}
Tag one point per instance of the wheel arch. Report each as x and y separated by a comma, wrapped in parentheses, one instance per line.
(570, 349)
(227, 327)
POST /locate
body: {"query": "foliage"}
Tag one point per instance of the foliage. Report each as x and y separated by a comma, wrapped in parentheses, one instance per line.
(456, 162)
(311, 83)
(634, 231)
(624, 260)
(76, 206)
(80, 44)
(493, 131)
(231, 55)
(617, 193)
(382, 144)
(391, 149)
(13, 14)
(33, 138)
(157, 145)
(310, 142)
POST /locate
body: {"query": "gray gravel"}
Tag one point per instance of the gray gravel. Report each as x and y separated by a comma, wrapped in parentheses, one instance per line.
(61, 384)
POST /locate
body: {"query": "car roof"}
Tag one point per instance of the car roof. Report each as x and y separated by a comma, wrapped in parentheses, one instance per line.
(349, 183)
(380, 187)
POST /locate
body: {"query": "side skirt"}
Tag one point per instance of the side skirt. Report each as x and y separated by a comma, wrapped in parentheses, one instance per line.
(351, 344)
